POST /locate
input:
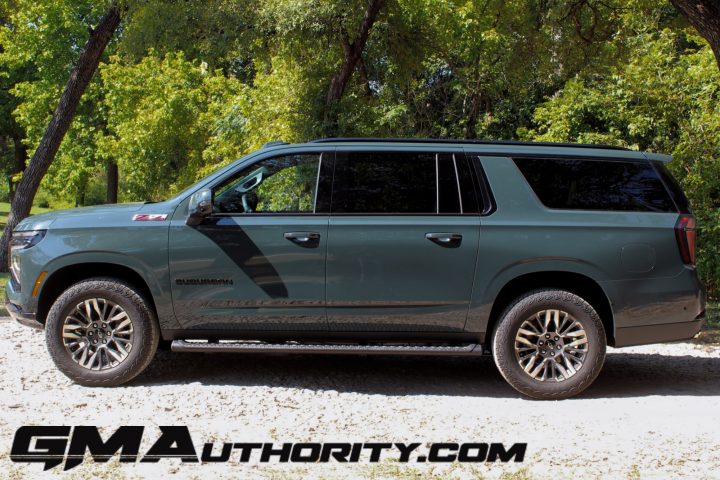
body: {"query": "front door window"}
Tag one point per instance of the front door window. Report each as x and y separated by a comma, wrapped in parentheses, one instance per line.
(286, 184)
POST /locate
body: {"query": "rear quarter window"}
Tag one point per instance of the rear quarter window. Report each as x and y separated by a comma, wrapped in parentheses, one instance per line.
(674, 188)
(596, 184)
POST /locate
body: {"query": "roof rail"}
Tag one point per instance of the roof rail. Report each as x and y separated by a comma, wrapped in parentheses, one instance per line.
(474, 142)
(274, 143)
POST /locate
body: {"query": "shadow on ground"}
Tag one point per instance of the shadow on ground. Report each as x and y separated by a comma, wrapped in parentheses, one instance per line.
(624, 374)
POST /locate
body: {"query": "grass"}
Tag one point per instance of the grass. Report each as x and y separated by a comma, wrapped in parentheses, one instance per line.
(3, 281)
(713, 316)
(710, 333)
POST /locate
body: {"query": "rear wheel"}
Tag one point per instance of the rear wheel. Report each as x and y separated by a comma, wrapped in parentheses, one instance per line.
(549, 344)
(101, 332)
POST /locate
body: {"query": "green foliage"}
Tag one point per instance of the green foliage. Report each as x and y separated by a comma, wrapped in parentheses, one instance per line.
(222, 33)
(157, 120)
(40, 43)
(664, 99)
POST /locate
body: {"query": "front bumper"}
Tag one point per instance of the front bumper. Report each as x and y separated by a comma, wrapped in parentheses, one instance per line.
(23, 318)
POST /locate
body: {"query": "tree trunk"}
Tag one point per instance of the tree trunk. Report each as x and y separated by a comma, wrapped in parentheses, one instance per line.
(59, 124)
(704, 16)
(364, 80)
(472, 119)
(21, 155)
(352, 54)
(111, 170)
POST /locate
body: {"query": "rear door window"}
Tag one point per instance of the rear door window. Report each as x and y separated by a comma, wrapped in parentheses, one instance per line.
(395, 183)
(596, 184)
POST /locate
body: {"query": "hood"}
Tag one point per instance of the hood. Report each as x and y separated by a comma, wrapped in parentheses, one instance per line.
(90, 215)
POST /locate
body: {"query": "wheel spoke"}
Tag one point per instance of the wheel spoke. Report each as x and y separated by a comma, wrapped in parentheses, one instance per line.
(524, 340)
(114, 354)
(560, 368)
(569, 365)
(88, 311)
(541, 366)
(530, 363)
(577, 333)
(528, 332)
(580, 341)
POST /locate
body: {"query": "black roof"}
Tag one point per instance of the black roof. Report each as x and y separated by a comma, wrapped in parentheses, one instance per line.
(456, 141)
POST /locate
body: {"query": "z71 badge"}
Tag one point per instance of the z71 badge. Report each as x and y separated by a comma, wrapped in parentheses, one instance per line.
(149, 217)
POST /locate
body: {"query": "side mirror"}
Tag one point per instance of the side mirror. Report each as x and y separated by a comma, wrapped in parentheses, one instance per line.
(200, 206)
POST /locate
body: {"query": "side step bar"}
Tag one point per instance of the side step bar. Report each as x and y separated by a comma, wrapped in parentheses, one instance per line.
(226, 346)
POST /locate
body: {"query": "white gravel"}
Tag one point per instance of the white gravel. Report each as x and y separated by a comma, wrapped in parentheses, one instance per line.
(654, 412)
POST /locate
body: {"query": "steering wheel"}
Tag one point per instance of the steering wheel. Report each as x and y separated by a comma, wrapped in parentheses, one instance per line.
(249, 202)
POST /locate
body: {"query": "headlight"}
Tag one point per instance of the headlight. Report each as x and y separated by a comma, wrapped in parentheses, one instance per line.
(21, 241)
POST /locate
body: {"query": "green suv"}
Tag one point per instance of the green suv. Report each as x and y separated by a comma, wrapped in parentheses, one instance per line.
(540, 254)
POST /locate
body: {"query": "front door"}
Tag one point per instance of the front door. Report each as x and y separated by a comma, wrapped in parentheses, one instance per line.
(403, 242)
(258, 262)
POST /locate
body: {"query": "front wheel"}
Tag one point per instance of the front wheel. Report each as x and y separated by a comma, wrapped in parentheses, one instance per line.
(101, 332)
(549, 344)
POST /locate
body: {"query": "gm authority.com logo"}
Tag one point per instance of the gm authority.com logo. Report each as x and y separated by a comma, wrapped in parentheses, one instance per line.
(55, 445)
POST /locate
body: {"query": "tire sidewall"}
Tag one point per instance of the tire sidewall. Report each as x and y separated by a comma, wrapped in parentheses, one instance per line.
(529, 305)
(144, 340)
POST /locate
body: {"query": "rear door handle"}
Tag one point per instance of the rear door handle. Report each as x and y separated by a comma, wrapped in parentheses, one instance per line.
(449, 240)
(304, 239)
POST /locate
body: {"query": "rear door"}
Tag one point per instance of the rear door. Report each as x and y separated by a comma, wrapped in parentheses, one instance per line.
(403, 241)
(258, 262)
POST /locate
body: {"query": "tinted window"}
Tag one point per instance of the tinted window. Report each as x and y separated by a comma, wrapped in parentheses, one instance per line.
(395, 182)
(284, 184)
(596, 185)
(468, 181)
(673, 187)
(449, 201)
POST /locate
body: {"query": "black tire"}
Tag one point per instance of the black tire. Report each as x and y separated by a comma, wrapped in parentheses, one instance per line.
(526, 307)
(144, 340)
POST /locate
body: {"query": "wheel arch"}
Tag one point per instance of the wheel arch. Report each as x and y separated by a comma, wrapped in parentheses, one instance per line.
(577, 283)
(64, 277)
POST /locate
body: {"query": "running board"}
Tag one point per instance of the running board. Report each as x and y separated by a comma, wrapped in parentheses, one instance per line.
(228, 346)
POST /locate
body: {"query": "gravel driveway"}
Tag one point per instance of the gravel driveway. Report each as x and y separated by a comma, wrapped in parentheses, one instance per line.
(654, 412)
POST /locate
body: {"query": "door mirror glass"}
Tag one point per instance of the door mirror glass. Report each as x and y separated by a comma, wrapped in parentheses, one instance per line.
(200, 206)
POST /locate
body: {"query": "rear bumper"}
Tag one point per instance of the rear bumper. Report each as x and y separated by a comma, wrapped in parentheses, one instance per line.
(667, 332)
(23, 318)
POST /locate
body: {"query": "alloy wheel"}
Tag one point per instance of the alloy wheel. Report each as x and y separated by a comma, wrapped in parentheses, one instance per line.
(98, 334)
(551, 346)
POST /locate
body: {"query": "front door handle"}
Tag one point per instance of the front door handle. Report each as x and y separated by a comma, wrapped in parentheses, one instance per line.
(304, 239)
(448, 240)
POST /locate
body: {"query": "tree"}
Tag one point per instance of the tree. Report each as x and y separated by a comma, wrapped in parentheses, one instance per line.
(352, 56)
(13, 152)
(163, 115)
(60, 122)
(704, 16)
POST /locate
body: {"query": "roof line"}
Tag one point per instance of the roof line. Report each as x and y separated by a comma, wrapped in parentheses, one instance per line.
(471, 142)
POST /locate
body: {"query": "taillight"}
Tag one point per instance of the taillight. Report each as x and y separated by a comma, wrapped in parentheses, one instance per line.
(685, 234)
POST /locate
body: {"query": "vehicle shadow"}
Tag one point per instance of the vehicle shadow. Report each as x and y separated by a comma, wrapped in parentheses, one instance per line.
(624, 374)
